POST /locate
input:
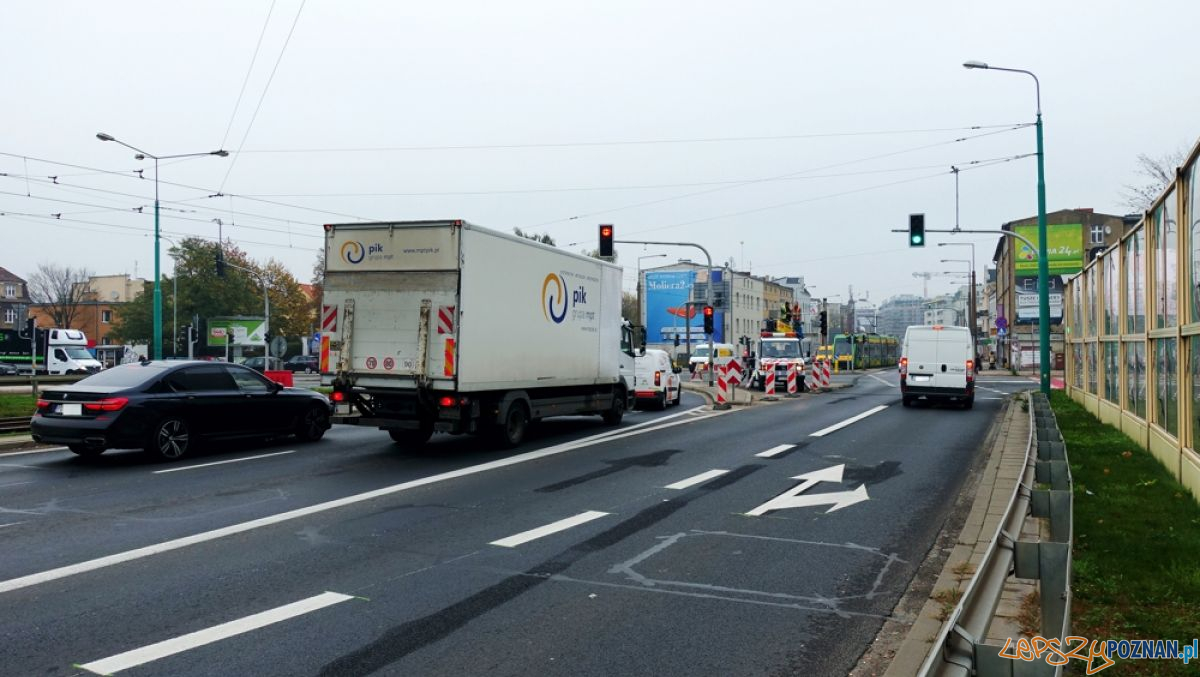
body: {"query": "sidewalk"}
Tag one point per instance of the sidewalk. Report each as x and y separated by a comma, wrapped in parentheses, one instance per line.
(10, 443)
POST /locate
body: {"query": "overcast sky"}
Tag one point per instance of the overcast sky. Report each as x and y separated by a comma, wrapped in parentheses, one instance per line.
(768, 132)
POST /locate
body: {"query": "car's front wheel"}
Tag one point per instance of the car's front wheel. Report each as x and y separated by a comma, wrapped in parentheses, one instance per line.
(170, 440)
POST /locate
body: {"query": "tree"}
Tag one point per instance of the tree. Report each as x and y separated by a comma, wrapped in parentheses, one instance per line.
(595, 254)
(291, 312)
(318, 283)
(61, 290)
(629, 307)
(544, 238)
(1159, 172)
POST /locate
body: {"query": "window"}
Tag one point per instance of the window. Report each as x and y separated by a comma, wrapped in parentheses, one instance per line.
(10, 316)
(1097, 235)
(1112, 302)
(106, 316)
(1166, 404)
(1166, 230)
(1077, 365)
(1194, 210)
(1112, 372)
(248, 381)
(1135, 378)
(1195, 391)
(10, 291)
(197, 379)
(1092, 377)
(1135, 284)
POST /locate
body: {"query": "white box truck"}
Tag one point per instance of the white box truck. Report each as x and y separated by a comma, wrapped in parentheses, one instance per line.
(443, 326)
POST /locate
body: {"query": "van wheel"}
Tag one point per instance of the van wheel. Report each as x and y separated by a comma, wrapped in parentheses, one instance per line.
(969, 402)
(678, 396)
(511, 432)
(615, 413)
(906, 401)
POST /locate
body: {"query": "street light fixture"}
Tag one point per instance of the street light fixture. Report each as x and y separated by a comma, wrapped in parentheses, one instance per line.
(973, 309)
(142, 155)
(1043, 262)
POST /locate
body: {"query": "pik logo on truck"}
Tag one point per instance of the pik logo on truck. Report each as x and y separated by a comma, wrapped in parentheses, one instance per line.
(554, 291)
(353, 251)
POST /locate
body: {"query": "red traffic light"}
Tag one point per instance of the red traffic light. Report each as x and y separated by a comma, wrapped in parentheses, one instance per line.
(606, 240)
(708, 311)
(606, 231)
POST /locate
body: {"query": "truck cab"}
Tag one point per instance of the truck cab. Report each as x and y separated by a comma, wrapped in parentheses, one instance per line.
(777, 351)
(67, 353)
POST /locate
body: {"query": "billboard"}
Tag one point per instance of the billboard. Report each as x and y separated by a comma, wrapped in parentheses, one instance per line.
(236, 331)
(667, 312)
(1064, 249)
(1027, 299)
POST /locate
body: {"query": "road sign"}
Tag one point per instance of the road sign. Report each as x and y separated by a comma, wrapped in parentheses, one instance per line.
(792, 498)
(278, 346)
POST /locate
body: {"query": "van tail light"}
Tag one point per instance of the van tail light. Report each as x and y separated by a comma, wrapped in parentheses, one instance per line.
(970, 370)
(107, 404)
(903, 366)
(658, 378)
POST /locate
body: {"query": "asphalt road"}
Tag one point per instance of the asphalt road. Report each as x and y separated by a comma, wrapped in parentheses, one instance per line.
(664, 547)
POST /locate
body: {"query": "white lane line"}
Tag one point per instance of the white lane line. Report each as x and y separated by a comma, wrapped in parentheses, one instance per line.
(232, 460)
(884, 382)
(696, 479)
(853, 419)
(33, 451)
(170, 647)
(775, 451)
(10, 524)
(1024, 383)
(185, 541)
(552, 528)
(990, 390)
(17, 484)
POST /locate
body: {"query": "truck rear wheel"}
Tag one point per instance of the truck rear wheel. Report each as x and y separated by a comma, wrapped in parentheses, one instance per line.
(614, 415)
(511, 432)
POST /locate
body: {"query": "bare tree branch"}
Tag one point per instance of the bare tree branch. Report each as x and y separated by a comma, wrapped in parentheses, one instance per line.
(1158, 172)
(61, 290)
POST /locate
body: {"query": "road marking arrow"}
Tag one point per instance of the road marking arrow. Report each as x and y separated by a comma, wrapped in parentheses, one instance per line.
(792, 498)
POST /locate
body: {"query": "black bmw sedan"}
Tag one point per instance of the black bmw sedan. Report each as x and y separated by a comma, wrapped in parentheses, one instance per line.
(167, 407)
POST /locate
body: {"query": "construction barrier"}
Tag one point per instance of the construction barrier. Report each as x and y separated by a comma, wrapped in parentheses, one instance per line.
(722, 390)
(825, 374)
(816, 376)
(769, 379)
(791, 379)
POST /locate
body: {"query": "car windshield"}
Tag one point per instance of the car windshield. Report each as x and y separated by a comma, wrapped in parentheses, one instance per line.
(701, 351)
(79, 354)
(781, 349)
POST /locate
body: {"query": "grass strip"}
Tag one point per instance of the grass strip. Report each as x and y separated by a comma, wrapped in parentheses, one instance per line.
(1137, 542)
(16, 404)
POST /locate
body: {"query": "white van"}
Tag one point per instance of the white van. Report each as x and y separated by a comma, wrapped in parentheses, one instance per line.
(656, 381)
(937, 363)
(699, 357)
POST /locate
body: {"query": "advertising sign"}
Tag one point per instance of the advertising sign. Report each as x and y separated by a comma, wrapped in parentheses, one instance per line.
(667, 312)
(1027, 299)
(236, 331)
(1064, 249)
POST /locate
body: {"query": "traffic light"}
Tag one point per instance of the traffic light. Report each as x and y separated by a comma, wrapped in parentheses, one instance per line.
(916, 230)
(708, 319)
(606, 240)
(220, 263)
(824, 322)
(677, 340)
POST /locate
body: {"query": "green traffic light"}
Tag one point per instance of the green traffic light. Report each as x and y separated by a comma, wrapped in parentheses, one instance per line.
(917, 239)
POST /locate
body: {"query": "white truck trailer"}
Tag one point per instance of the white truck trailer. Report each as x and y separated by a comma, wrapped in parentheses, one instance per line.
(443, 326)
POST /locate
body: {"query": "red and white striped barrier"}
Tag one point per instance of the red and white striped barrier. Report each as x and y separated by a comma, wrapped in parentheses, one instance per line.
(825, 374)
(722, 389)
(733, 371)
(769, 379)
(816, 376)
(791, 379)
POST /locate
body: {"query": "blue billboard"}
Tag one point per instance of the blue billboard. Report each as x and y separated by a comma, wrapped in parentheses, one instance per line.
(667, 312)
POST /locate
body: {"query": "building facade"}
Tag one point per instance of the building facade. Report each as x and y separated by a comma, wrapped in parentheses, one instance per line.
(14, 300)
(95, 315)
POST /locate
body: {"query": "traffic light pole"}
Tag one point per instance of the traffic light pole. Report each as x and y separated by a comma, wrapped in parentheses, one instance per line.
(709, 295)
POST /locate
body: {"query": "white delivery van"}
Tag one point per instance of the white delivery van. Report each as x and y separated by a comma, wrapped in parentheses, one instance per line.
(937, 363)
(699, 356)
(656, 381)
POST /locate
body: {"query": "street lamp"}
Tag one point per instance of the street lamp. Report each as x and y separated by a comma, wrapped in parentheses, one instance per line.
(142, 155)
(1043, 263)
(972, 309)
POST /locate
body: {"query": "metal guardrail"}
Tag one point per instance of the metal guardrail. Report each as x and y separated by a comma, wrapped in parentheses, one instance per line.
(960, 649)
(16, 424)
(25, 380)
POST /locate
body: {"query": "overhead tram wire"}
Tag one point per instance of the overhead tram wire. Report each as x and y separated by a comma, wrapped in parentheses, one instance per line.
(249, 70)
(44, 219)
(634, 142)
(233, 161)
(779, 176)
(659, 186)
(210, 193)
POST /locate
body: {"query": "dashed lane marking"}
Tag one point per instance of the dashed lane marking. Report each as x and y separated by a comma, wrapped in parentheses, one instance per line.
(853, 419)
(232, 460)
(775, 451)
(552, 528)
(696, 479)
